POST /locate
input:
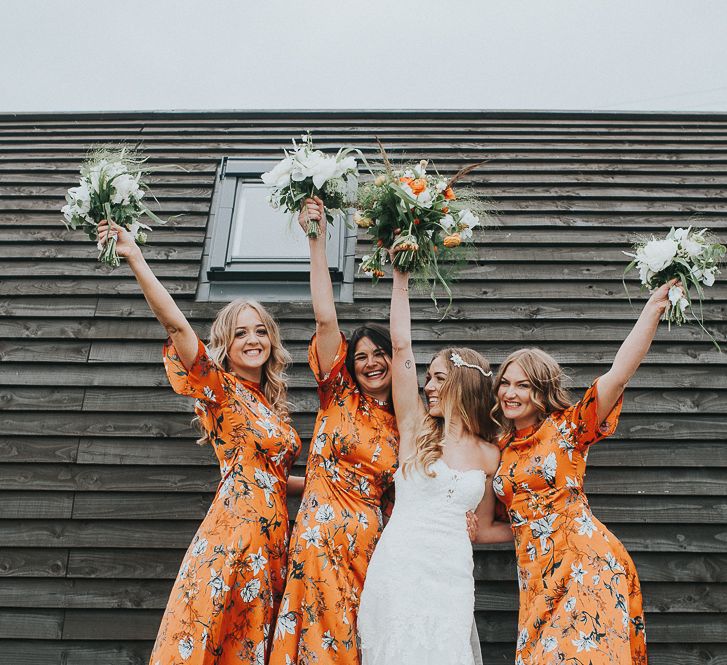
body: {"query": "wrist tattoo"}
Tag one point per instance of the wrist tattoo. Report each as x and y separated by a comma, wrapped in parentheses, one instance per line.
(407, 364)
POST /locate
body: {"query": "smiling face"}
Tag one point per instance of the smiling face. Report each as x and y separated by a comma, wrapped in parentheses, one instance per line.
(250, 346)
(515, 395)
(436, 375)
(372, 369)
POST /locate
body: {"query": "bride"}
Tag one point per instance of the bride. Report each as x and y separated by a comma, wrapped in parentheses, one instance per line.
(417, 604)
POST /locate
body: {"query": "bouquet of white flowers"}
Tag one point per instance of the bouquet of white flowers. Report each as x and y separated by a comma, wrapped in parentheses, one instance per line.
(110, 188)
(692, 257)
(305, 173)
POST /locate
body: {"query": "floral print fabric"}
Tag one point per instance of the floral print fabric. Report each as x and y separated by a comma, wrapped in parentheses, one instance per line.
(351, 464)
(580, 600)
(227, 592)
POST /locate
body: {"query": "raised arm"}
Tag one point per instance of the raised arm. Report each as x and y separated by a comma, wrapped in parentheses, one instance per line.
(328, 335)
(404, 385)
(160, 302)
(635, 347)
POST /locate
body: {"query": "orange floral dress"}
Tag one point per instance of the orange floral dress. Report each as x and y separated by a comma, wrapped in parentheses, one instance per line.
(580, 600)
(228, 589)
(350, 467)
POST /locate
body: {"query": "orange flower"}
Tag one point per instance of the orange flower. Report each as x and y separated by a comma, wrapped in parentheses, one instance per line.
(418, 185)
(453, 241)
(417, 222)
(405, 180)
(445, 210)
(449, 194)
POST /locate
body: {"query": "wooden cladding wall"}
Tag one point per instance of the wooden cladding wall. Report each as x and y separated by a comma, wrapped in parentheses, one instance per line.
(101, 484)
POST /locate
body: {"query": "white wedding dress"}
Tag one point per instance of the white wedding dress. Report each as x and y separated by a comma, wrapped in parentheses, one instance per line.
(417, 604)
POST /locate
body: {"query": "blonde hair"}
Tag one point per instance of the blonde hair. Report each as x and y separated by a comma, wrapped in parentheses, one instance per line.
(273, 379)
(546, 392)
(466, 392)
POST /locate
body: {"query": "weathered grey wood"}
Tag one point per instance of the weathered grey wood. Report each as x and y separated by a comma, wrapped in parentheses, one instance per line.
(31, 624)
(80, 593)
(87, 287)
(33, 562)
(34, 505)
(135, 563)
(38, 449)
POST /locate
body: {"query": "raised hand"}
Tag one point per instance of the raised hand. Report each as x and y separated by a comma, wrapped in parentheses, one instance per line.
(659, 299)
(125, 245)
(313, 210)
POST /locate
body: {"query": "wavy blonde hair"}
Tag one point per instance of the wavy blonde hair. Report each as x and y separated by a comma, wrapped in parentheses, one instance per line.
(467, 393)
(273, 381)
(546, 380)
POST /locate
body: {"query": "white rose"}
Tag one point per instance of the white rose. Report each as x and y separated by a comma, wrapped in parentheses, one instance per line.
(126, 187)
(658, 254)
(316, 166)
(279, 176)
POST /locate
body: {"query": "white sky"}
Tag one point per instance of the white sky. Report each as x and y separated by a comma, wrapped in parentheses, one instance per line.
(82, 55)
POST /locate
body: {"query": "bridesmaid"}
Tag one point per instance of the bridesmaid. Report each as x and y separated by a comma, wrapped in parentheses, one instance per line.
(580, 599)
(351, 464)
(228, 589)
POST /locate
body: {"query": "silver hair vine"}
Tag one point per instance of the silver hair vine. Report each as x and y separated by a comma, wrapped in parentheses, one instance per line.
(459, 362)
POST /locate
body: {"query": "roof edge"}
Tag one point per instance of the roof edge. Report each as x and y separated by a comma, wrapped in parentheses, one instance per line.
(351, 113)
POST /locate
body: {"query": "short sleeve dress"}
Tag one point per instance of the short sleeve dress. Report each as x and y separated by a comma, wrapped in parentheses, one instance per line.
(580, 599)
(229, 586)
(350, 466)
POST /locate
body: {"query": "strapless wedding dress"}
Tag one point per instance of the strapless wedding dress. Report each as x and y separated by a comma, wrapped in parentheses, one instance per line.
(417, 605)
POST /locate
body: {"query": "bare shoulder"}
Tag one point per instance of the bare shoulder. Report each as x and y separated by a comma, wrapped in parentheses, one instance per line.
(489, 454)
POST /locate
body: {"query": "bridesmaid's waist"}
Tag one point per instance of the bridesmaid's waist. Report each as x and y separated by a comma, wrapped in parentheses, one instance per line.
(575, 510)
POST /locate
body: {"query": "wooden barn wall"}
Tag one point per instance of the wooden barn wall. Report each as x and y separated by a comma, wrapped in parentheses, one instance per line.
(101, 484)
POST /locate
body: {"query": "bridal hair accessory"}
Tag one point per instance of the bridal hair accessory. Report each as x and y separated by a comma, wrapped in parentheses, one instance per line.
(458, 362)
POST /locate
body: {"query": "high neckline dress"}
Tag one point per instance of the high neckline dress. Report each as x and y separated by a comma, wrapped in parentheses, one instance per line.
(350, 467)
(580, 599)
(225, 598)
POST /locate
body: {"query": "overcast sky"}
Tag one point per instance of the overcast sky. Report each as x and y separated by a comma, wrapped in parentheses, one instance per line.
(66, 55)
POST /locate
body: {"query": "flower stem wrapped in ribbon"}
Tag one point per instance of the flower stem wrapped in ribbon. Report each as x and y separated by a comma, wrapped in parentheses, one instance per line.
(418, 216)
(692, 257)
(306, 172)
(110, 188)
